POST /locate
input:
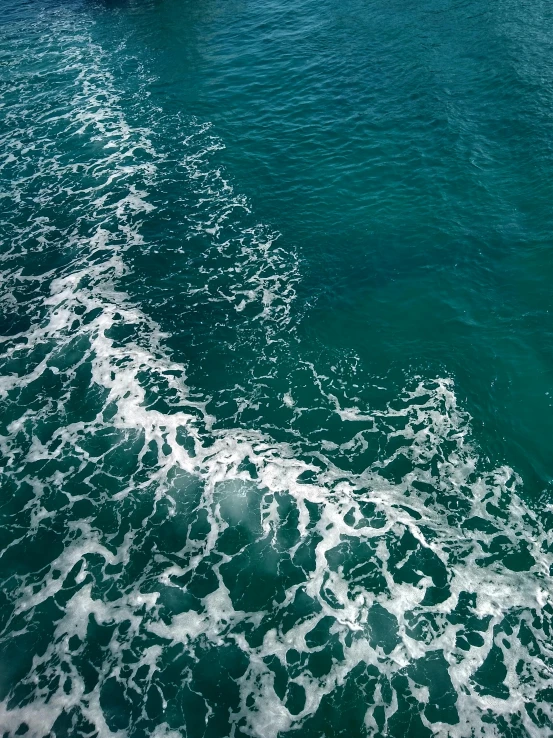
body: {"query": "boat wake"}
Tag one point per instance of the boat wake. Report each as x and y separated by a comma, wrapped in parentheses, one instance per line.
(166, 575)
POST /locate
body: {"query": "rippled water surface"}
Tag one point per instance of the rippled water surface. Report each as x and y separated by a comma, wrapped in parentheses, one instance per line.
(276, 368)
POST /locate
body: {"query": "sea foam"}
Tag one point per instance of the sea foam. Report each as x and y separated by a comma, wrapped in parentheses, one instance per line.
(162, 569)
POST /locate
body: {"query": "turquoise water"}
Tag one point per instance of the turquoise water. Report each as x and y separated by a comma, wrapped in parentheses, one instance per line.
(276, 369)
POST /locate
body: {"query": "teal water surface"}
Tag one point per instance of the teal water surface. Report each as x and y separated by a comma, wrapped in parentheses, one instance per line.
(276, 368)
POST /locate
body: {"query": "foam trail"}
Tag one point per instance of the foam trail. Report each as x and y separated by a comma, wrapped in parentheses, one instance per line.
(185, 575)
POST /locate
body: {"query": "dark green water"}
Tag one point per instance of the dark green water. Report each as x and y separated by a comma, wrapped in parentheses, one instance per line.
(276, 369)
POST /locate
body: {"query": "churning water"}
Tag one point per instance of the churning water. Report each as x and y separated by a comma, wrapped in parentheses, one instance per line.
(276, 367)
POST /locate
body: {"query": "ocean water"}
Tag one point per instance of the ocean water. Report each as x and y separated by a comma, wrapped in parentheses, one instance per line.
(276, 368)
